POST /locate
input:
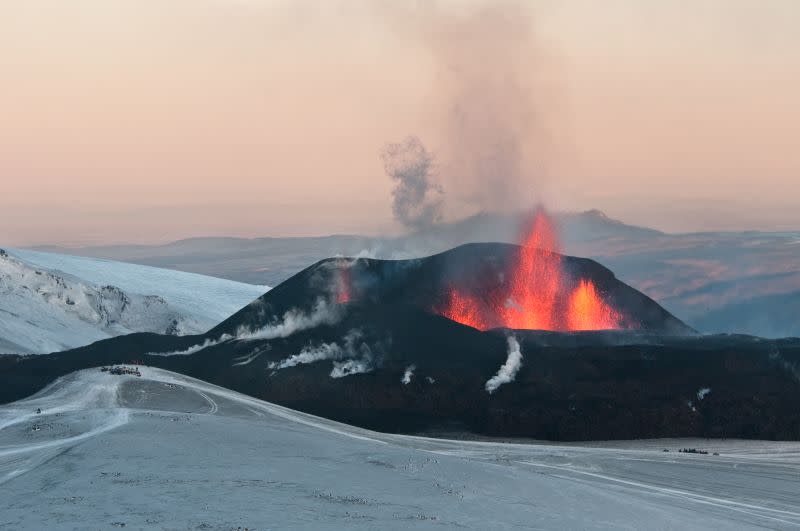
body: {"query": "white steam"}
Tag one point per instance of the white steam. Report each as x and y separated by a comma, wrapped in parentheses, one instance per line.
(408, 374)
(325, 351)
(701, 394)
(323, 313)
(509, 370)
(353, 356)
(194, 348)
(349, 367)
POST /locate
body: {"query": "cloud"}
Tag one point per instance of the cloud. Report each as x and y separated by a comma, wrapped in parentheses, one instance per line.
(509, 370)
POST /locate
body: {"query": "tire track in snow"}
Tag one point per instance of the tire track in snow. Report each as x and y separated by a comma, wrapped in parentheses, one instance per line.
(214, 407)
(745, 508)
(267, 407)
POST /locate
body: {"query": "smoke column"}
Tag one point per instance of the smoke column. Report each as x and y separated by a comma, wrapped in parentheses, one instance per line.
(509, 370)
(493, 88)
(416, 198)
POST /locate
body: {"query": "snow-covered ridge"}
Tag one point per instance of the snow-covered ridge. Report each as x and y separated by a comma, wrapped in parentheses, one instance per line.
(274, 467)
(43, 309)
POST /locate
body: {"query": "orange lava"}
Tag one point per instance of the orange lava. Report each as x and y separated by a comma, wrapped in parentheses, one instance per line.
(344, 285)
(588, 311)
(464, 309)
(535, 279)
(535, 293)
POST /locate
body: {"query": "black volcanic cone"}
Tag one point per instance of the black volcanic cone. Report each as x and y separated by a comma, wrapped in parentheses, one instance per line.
(423, 283)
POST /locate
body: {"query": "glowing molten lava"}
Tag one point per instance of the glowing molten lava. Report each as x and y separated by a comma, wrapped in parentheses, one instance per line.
(464, 309)
(587, 311)
(344, 285)
(535, 279)
(534, 293)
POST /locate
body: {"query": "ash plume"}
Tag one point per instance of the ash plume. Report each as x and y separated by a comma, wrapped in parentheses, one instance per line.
(509, 370)
(417, 197)
(493, 88)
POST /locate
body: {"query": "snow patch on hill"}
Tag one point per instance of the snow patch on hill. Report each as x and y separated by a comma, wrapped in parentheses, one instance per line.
(44, 310)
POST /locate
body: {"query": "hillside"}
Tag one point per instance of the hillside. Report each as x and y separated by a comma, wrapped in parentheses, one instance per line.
(52, 302)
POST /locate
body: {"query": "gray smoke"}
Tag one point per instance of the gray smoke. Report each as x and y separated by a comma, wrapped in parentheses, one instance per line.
(494, 88)
(509, 370)
(416, 198)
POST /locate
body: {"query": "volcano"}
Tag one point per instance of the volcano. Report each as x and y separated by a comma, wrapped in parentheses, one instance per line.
(530, 286)
(370, 343)
(471, 286)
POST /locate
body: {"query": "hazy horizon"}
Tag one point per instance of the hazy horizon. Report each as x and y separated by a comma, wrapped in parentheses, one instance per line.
(131, 122)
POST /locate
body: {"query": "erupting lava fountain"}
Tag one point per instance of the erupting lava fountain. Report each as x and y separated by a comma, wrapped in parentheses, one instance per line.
(535, 292)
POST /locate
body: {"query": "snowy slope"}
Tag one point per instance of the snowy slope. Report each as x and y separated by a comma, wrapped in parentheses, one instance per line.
(50, 302)
(165, 451)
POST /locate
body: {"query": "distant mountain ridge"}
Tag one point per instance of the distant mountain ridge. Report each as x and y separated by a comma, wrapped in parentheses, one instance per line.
(271, 260)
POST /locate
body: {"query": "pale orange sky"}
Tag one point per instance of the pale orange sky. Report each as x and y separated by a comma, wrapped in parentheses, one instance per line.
(147, 121)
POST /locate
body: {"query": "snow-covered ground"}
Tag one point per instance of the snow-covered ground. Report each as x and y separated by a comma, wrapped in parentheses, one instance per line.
(168, 451)
(51, 302)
